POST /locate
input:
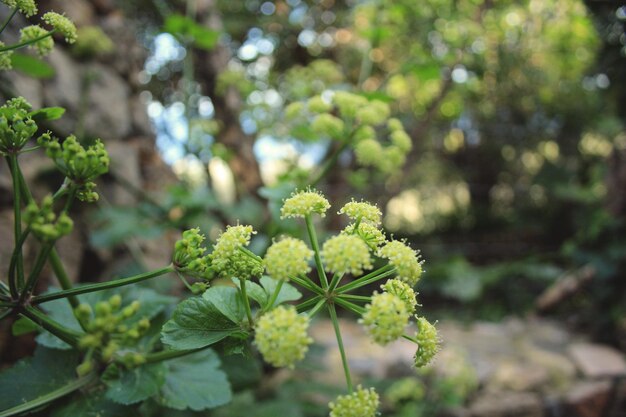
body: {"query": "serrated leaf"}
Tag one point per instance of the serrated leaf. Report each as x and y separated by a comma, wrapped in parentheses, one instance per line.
(94, 405)
(32, 66)
(22, 326)
(254, 291)
(34, 377)
(196, 323)
(227, 300)
(195, 382)
(47, 113)
(130, 386)
(287, 293)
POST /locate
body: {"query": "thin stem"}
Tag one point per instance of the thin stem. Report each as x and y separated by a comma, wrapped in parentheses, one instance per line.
(101, 285)
(308, 303)
(14, 262)
(69, 336)
(334, 282)
(316, 248)
(316, 308)
(32, 148)
(381, 273)
(364, 298)
(184, 280)
(51, 396)
(344, 360)
(251, 254)
(42, 257)
(6, 23)
(246, 301)
(17, 229)
(272, 300)
(308, 285)
(62, 277)
(170, 354)
(5, 314)
(350, 306)
(410, 338)
(28, 42)
(330, 163)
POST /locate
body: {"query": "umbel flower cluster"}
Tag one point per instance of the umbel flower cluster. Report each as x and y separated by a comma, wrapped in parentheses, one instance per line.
(281, 331)
(378, 140)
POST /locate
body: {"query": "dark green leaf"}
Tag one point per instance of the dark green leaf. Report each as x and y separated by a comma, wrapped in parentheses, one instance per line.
(23, 325)
(254, 291)
(94, 405)
(47, 113)
(196, 323)
(32, 66)
(204, 38)
(33, 377)
(227, 300)
(196, 382)
(129, 386)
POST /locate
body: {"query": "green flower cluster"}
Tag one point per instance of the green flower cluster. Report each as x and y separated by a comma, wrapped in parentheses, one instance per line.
(281, 336)
(230, 257)
(92, 42)
(385, 318)
(361, 211)
(403, 291)
(378, 140)
(346, 254)
(189, 255)
(16, 125)
(44, 223)
(105, 329)
(304, 203)
(360, 403)
(406, 261)
(78, 164)
(287, 257)
(43, 43)
(301, 82)
(5, 58)
(61, 24)
(27, 7)
(370, 234)
(428, 342)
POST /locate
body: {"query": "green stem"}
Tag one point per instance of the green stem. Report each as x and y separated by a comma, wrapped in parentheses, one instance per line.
(364, 298)
(5, 314)
(251, 254)
(51, 396)
(330, 163)
(316, 248)
(26, 43)
(17, 229)
(308, 285)
(381, 273)
(272, 300)
(101, 285)
(42, 257)
(334, 282)
(246, 301)
(32, 148)
(316, 308)
(170, 354)
(184, 281)
(6, 23)
(350, 306)
(303, 306)
(61, 274)
(410, 338)
(344, 360)
(69, 336)
(14, 262)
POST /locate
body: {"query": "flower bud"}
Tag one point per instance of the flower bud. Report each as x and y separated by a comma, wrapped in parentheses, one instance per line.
(61, 24)
(362, 211)
(404, 259)
(360, 403)
(403, 291)
(42, 46)
(304, 203)
(385, 318)
(427, 341)
(328, 125)
(288, 257)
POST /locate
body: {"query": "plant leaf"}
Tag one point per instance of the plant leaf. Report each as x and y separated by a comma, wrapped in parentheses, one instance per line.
(227, 300)
(129, 386)
(23, 325)
(254, 291)
(47, 113)
(93, 405)
(196, 323)
(287, 293)
(32, 66)
(196, 382)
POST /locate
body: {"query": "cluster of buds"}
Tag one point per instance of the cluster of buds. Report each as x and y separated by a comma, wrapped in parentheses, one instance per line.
(360, 403)
(16, 125)
(44, 223)
(111, 327)
(42, 38)
(352, 118)
(287, 257)
(189, 256)
(230, 257)
(79, 165)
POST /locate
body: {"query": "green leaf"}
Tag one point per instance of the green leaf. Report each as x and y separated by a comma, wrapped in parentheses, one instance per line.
(94, 405)
(34, 377)
(186, 28)
(287, 293)
(195, 382)
(22, 326)
(204, 38)
(227, 300)
(129, 386)
(47, 113)
(32, 66)
(197, 323)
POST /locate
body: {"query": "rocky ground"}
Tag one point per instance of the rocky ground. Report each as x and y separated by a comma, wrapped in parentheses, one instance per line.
(521, 368)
